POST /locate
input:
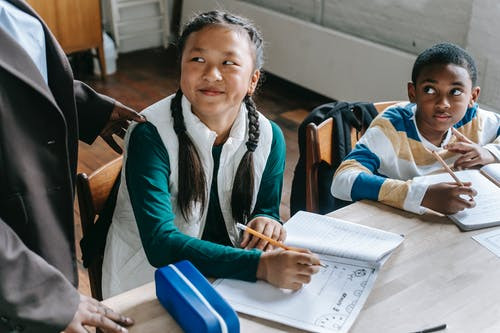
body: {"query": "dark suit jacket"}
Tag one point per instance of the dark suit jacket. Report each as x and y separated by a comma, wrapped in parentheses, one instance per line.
(40, 126)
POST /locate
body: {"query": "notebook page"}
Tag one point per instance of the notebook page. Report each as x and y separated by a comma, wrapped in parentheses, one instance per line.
(490, 240)
(332, 236)
(492, 171)
(329, 303)
(486, 210)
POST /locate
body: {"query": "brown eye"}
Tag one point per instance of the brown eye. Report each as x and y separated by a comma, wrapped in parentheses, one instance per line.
(429, 90)
(456, 92)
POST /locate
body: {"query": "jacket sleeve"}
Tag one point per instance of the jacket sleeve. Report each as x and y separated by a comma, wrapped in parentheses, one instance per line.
(271, 185)
(93, 111)
(34, 296)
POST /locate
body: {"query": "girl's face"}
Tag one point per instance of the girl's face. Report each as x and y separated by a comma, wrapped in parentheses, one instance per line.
(217, 71)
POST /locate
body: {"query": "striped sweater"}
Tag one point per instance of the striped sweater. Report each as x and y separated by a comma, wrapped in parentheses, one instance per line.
(392, 152)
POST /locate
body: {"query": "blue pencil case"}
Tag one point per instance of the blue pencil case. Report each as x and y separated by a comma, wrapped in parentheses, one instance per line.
(192, 301)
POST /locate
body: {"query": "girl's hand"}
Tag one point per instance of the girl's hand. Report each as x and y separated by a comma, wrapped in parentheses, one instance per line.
(446, 197)
(267, 227)
(288, 269)
(472, 153)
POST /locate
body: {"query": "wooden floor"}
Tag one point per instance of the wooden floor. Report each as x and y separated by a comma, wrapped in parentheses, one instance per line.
(145, 77)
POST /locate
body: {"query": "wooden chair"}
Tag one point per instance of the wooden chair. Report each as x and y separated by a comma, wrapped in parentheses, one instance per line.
(93, 192)
(319, 147)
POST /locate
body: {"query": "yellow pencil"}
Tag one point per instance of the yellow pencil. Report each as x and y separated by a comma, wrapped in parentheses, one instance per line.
(460, 136)
(261, 236)
(269, 239)
(447, 168)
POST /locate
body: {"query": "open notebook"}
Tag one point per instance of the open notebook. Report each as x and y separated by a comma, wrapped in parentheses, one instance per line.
(486, 181)
(352, 255)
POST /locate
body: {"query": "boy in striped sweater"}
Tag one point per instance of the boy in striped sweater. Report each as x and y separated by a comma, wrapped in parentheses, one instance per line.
(397, 146)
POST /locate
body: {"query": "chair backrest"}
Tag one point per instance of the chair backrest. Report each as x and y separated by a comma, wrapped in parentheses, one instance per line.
(319, 148)
(93, 192)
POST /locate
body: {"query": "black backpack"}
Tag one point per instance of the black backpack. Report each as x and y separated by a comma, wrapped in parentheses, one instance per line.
(346, 115)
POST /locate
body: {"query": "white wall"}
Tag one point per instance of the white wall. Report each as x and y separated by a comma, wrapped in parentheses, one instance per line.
(483, 42)
(412, 26)
(332, 63)
(406, 25)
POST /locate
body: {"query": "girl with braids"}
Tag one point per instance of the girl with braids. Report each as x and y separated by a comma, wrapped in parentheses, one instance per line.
(205, 160)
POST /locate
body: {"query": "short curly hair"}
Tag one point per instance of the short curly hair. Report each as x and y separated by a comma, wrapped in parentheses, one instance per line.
(445, 53)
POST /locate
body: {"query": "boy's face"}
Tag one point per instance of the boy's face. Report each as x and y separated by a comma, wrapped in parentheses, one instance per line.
(443, 92)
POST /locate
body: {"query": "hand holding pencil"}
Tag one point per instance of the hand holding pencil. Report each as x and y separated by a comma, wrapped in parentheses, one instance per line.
(447, 198)
(289, 269)
(273, 242)
(272, 229)
(471, 154)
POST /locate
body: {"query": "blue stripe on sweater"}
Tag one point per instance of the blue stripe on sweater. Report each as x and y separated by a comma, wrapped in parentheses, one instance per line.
(366, 186)
(470, 114)
(363, 155)
(401, 118)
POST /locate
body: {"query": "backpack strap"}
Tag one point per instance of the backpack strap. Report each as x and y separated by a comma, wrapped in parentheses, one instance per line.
(365, 112)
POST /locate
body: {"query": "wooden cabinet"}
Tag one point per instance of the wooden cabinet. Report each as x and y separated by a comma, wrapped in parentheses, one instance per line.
(76, 24)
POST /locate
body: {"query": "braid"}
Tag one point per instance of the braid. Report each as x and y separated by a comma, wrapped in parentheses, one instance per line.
(253, 124)
(243, 187)
(191, 176)
(176, 107)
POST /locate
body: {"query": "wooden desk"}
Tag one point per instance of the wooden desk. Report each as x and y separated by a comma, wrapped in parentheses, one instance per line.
(439, 275)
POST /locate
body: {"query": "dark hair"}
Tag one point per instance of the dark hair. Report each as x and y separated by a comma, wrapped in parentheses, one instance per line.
(192, 181)
(445, 53)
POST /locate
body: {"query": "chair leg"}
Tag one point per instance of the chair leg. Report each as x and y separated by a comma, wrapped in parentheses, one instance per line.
(102, 61)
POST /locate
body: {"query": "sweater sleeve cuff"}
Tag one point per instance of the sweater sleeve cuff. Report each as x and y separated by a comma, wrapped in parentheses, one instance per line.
(414, 197)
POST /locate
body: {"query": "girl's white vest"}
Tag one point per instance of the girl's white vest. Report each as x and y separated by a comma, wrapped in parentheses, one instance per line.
(125, 264)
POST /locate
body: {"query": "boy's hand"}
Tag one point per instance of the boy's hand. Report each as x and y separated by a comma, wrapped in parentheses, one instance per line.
(267, 227)
(472, 153)
(446, 197)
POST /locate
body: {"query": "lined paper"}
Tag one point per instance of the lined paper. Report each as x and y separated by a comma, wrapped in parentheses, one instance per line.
(336, 237)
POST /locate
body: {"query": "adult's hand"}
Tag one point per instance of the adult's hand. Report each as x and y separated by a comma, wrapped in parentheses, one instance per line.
(118, 123)
(92, 313)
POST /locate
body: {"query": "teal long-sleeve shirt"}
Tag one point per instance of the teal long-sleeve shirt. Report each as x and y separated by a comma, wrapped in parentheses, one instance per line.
(147, 171)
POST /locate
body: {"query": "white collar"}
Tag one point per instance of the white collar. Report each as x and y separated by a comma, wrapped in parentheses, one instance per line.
(197, 128)
(427, 144)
